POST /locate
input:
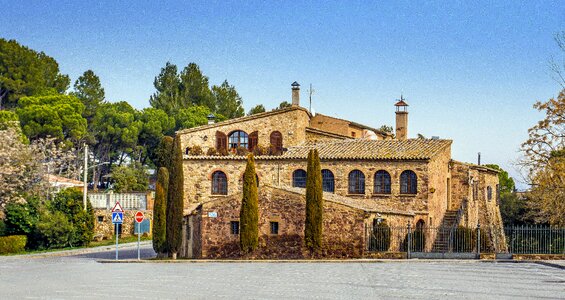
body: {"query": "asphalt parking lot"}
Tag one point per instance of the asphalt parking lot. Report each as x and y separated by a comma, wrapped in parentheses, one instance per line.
(82, 276)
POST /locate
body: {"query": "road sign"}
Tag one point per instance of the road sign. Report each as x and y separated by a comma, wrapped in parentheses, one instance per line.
(139, 217)
(117, 217)
(117, 207)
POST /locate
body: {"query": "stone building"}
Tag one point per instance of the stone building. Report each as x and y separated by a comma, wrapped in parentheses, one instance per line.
(368, 176)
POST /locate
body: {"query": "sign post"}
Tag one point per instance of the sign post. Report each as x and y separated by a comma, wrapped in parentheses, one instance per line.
(118, 219)
(138, 219)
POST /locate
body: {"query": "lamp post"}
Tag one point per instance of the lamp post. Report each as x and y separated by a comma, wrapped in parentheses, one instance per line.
(85, 186)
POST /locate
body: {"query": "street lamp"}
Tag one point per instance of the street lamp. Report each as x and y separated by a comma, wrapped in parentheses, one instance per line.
(85, 186)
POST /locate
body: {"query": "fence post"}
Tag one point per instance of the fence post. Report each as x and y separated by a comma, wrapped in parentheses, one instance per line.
(409, 241)
(479, 240)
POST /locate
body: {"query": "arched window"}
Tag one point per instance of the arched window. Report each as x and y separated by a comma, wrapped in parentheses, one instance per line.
(276, 142)
(219, 183)
(328, 181)
(299, 178)
(489, 193)
(408, 182)
(382, 182)
(356, 182)
(237, 139)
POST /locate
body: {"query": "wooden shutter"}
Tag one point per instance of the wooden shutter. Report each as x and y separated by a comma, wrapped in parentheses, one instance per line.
(253, 139)
(276, 142)
(221, 141)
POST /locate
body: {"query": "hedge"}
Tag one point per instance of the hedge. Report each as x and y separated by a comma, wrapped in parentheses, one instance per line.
(12, 243)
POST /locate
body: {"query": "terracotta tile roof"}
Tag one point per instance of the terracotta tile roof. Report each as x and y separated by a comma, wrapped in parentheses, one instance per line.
(412, 149)
(371, 149)
(243, 119)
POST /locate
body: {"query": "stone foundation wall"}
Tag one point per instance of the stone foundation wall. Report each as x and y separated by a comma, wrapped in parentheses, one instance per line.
(104, 229)
(343, 227)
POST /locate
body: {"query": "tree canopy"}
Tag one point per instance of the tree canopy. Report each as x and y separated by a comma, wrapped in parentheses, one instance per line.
(228, 101)
(26, 72)
(256, 109)
(89, 90)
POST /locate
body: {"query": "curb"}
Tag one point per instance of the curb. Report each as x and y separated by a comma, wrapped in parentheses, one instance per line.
(82, 250)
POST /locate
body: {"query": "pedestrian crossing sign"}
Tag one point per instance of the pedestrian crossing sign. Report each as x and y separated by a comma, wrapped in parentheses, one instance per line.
(117, 217)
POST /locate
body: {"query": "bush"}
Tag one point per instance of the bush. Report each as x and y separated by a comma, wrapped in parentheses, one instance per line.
(160, 211)
(69, 202)
(2, 228)
(12, 243)
(195, 151)
(260, 150)
(241, 151)
(223, 152)
(249, 212)
(417, 239)
(132, 178)
(465, 240)
(53, 231)
(211, 152)
(175, 201)
(314, 203)
(381, 235)
(21, 217)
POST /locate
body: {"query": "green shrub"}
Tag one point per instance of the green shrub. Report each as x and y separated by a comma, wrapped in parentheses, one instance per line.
(53, 231)
(418, 241)
(249, 212)
(314, 203)
(2, 228)
(70, 203)
(195, 151)
(175, 200)
(211, 151)
(465, 240)
(21, 217)
(160, 211)
(12, 243)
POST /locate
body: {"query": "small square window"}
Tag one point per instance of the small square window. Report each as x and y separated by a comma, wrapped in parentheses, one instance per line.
(100, 219)
(234, 226)
(274, 227)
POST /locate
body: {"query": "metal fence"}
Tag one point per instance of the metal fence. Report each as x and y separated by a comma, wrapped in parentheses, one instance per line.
(517, 239)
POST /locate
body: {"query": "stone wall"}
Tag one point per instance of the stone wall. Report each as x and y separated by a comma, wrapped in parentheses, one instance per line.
(291, 123)
(343, 227)
(330, 124)
(276, 172)
(104, 229)
(439, 173)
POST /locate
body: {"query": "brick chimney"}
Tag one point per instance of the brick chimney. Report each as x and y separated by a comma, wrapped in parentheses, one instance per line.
(401, 119)
(295, 94)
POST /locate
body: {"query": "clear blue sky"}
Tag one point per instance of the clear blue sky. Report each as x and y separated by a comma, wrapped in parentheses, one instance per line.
(469, 70)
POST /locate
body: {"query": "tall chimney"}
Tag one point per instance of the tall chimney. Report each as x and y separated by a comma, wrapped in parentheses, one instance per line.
(295, 94)
(401, 119)
(211, 119)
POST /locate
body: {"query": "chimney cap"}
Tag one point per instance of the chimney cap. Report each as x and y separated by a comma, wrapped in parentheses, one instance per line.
(295, 85)
(401, 102)
(211, 116)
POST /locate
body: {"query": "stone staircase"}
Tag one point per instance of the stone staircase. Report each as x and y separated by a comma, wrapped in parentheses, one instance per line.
(448, 224)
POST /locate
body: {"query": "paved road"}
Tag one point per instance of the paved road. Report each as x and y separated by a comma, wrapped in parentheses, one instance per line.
(82, 277)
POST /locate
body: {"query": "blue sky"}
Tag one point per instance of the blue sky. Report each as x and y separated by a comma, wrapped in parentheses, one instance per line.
(470, 70)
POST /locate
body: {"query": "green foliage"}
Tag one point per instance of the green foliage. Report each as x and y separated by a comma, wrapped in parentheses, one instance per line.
(58, 116)
(506, 183)
(191, 117)
(2, 228)
(175, 200)
(284, 104)
(155, 123)
(163, 153)
(69, 202)
(513, 209)
(167, 84)
(7, 118)
(249, 212)
(194, 88)
(89, 90)
(12, 244)
(53, 230)
(228, 101)
(21, 217)
(417, 241)
(132, 178)
(26, 72)
(160, 211)
(465, 240)
(256, 109)
(314, 203)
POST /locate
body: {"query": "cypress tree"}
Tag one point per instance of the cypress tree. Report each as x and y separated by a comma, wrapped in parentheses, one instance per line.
(164, 152)
(249, 213)
(314, 203)
(160, 212)
(175, 201)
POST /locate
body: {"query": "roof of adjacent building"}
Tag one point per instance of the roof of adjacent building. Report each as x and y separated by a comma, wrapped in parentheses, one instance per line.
(243, 119)
(417, 149)
(359, 125)
(411, 149)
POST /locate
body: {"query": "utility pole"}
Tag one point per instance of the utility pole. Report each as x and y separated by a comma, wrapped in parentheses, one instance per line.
(310, 92)
(85, 187)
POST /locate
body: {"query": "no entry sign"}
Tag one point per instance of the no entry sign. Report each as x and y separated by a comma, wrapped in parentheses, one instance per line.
(139, 217)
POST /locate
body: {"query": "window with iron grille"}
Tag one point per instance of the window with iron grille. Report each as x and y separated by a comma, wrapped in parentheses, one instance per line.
(408, 182)
(238, 139)
(234, 227)
(219, 183)
(299, 178)
(382, 182)
(356, 182)
(274, 227)
(489, 193)
(328, 182)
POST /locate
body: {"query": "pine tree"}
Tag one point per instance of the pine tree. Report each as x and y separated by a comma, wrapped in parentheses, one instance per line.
(314, 203)
(175, 201)
(160, 212)
(249, 213)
